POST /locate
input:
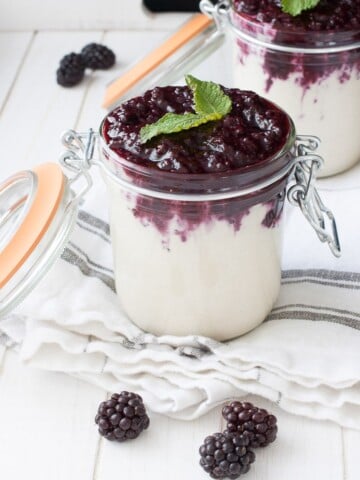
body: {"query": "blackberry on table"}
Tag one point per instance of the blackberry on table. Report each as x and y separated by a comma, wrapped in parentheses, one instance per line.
(257, 423)
(97, 56)
(71, 70)
(226, 455)
(123, 417)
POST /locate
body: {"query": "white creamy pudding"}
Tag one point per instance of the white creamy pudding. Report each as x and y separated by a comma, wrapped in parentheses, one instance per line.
(320, 91)
(218, 282)
(204, 264)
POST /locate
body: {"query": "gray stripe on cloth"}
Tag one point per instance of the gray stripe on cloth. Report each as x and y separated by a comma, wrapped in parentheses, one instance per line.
(72, 258)
(315, 317)
(322, 274)
(349, 286)
(94, 232)
(316, 307)
(94, 221)
(90, 262)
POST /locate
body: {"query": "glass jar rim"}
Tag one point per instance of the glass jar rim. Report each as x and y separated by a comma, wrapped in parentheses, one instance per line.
(264, 34)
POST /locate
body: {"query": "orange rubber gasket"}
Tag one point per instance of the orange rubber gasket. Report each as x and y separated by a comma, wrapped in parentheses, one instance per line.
(48, 196)
(193, 27)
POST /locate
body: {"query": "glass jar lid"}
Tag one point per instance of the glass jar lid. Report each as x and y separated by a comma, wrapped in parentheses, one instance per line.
(36, 217)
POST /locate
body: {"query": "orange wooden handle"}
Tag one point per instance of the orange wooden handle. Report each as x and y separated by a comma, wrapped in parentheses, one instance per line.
(193, 27)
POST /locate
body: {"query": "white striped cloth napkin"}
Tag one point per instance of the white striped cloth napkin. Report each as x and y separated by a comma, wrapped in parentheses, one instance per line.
(305, 356)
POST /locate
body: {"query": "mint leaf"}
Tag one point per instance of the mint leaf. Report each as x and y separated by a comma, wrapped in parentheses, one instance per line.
(295, 7)
(173, 123)
(208, 97)
(210, 103)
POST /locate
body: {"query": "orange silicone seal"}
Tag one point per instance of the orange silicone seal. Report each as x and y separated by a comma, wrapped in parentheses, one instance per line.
(192, 28)
(47, 199)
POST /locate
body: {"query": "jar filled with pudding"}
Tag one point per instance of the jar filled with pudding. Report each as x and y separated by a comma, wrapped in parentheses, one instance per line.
(309, 64)
(196, 216)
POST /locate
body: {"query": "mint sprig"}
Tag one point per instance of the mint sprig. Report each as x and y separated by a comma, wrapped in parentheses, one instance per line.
(208, 97)
(174, 123)
(210, 103)
(295, 7)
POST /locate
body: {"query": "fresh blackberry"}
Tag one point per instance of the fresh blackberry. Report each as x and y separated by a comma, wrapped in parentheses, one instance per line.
(97, 56)
(122, 417)
(226, 455)
(71, 70)
(257, 423)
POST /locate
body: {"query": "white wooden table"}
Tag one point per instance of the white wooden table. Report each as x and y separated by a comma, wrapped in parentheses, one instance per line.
(47, 420)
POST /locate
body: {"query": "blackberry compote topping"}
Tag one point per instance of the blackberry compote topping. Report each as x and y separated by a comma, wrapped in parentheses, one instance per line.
(258, 424)
(328, 15)
(97, 56)
(331, 23)
(226, 455)
(123, 417)
(71, 70)
(253, 131)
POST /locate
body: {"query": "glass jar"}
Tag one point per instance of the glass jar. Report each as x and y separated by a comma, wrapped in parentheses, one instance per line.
(200, 253)
(193, 253)
(314, 76)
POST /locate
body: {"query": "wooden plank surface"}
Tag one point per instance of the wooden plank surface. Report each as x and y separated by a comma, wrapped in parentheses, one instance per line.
(305, 449)
(38, 109)
(13, 48)
(351, 449)
(47, 430)
(83, 14)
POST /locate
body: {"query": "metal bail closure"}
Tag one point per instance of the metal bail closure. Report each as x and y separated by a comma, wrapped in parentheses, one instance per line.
(218, 11)
(304, 194)
(78, 158)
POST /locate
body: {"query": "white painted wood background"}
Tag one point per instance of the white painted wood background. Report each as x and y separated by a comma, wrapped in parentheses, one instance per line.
(81, 14)
(47, 428)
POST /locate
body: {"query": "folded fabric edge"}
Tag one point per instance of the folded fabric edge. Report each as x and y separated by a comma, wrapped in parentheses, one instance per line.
(3, 349)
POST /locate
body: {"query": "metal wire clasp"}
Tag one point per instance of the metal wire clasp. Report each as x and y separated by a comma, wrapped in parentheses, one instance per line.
(78, 158)
(219, 11)
(304, 194)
